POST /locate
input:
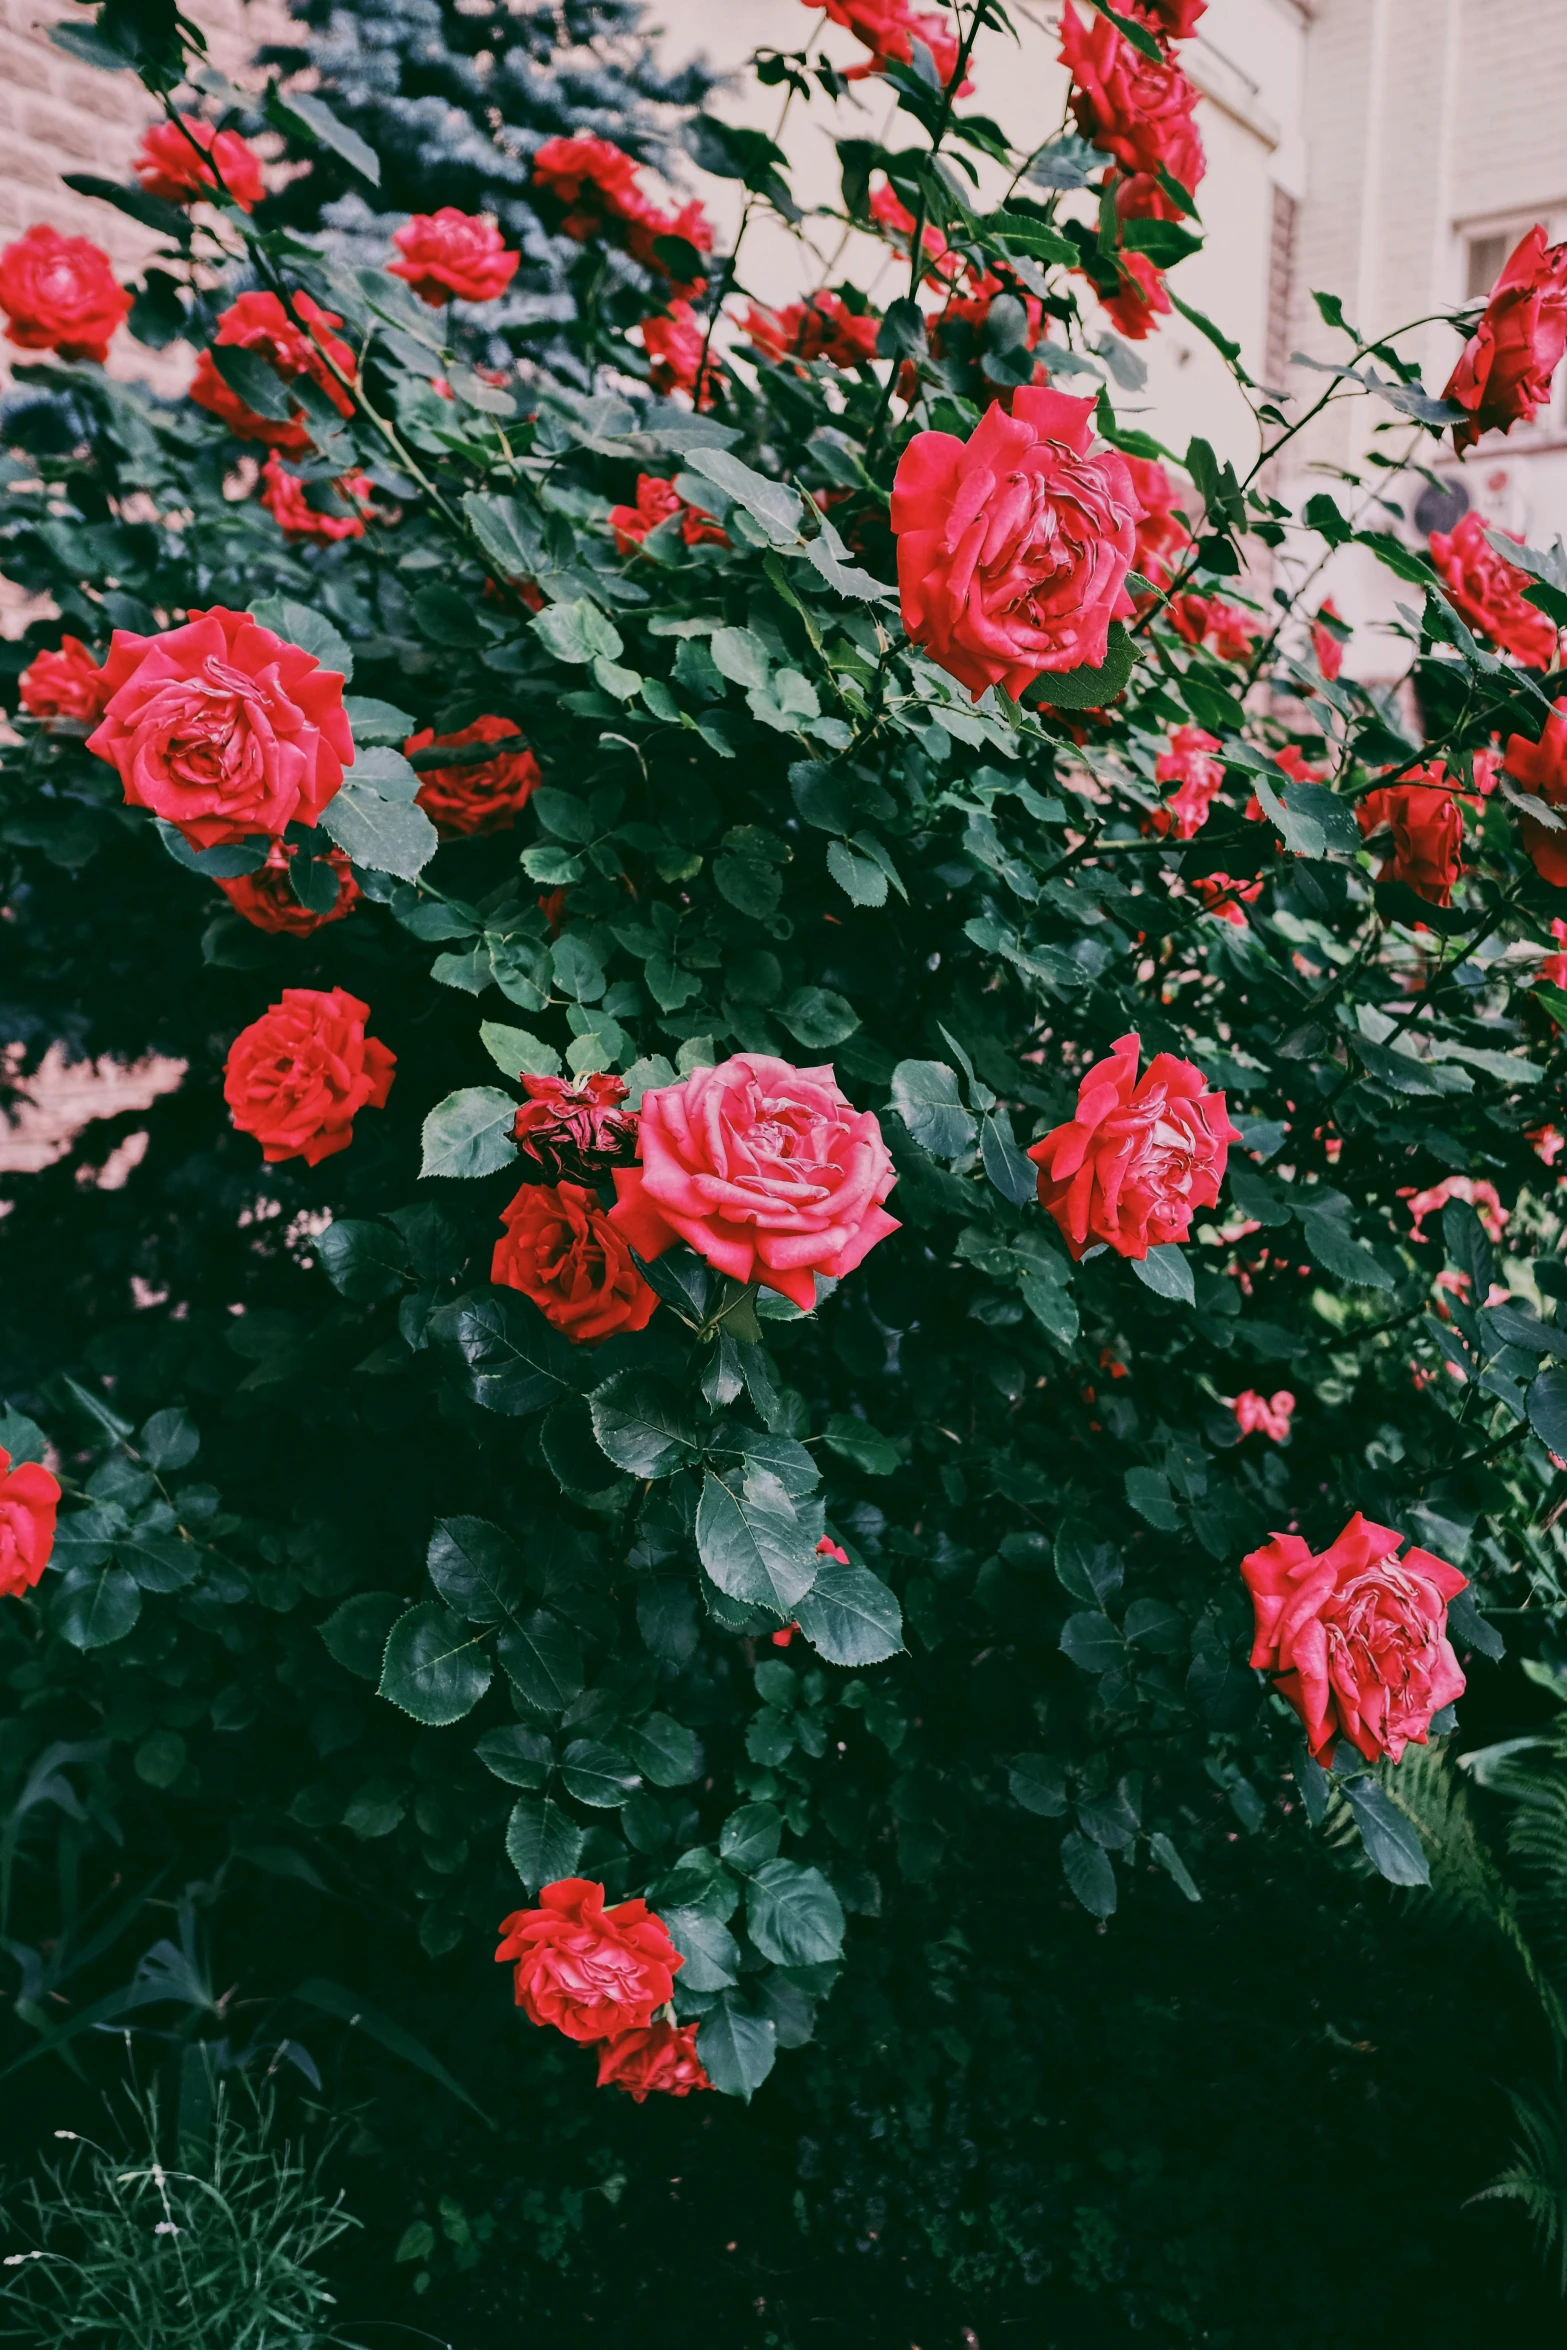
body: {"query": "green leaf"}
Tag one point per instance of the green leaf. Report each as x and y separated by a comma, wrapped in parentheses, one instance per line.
(1256, 1197)
(21, 1437)
(519, 1756)
(383, 836)
(261, 388)
(469, 1133)
(1392, 1841)
(774, 505)
(356, 1633)
(1331, 1244)
(320, 124)
(1084, 688)
(751, 1542)
(1038, 1784)
(543, 1661)
(857, 1441)
(740, 655)
(793, 1915)
(509, 531)
(1092, 1642)
(517, 1052)
(1166, 1272)
(641, 1424)
(434, 1668)
(477, 1569)
(710, 1951)
(170, 1440)
(1011, 1170)
(1086, 1567)
(302, 625)
(598, 1775)
(929, 1099)
(1089, 1871)
(751, 1835)
(514, 1362)
(577, 633)
(363, 1261)
(737, 2049)
(1169, 1859)
(860, 878)
(1148, 1491)
(543, 1841)
(665, 1751)
(95, 1606)
(1547, 1404)
(849, 1616)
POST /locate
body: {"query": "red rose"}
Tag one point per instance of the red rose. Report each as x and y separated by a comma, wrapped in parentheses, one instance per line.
(1553, 969)
(1253, 1411)
(662, 2058)
(1139, 1158)
(1012, 545)
(657, 501)
(889, 29)
(286, 499)
(592, 1972)
(297, 1077)
(1428, 832)
(643, 230)
(259, 323)
(223, 728)
(673, 344)
(176, 161)
(1161, 534)
(1328, 643)
(450, 255)
(564, 1252)
(1187, 762)
(59, 294)
(970, 311)
(1176, 19)
(485, 796)
(1222, 895)
(890, 212)
(1504, 370)
(574, 1131)
(29, 1497)
(1356, 1639)
(1542, 767)
(1130, 106)
(1197, 618)
(821, 327)
(595, 181)
(1142, 300)
(267, 899)
(767, 1171)
(1488, 592)
(66, 684)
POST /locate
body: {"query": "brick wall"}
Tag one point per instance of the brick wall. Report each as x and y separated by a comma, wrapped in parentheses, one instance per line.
(58, 116)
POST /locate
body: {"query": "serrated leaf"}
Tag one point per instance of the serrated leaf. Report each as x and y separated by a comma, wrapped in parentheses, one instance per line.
(1169, 1859)
(751, 1542)
(322, 125)
(477, 1569)
(1089, 1871)
(738, 2050)
(434, 1668)
(516, 1755)
(1391, 1840)
(1038, 1784)
(710, 1951)
(1092, 1642)
(363, 1261)
(543, 1841)
(641, 1424)
(514, 1362)
(793, 1915)
(929, 1099)
(598, 1775)
(92, 1607)
(542, 1658)
(1166, 1272)
(383, 836)
(517, 1052)
(469, 1133)
(355, 1634)
(850, 1616)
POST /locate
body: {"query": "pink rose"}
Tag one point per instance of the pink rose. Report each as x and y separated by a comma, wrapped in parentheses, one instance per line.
(1139, 1158)
(1258, 1412)
(1356, 1639)
(766, 1170)
(1013, 544)
(223, 728)
(1187, 761)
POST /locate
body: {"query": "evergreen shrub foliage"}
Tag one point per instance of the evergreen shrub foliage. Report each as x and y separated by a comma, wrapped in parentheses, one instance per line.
(368, 1578)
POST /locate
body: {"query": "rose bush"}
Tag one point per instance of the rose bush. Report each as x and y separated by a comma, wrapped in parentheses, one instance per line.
(740, 1438)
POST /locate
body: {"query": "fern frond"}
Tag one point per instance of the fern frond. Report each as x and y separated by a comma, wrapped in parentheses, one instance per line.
(1537, 2178)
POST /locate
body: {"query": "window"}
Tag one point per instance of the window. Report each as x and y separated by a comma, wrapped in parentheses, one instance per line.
(1483, 263)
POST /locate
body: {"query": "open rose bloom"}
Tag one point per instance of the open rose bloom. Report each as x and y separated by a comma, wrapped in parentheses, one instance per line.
(766, 1170)
(29, 1498)
(1488, 592)
(258, 322)
(661, 2059)
(1356, 1639)
(1541, 767)
(1013, 545)
(561, 1250)
(453, 256)
(298, 1077)
(176, 161)
(483, 796)
(573, 1131)
(269, 901)
(222, 727)
(1505, 370)
(60, 294)
(1139, 109)
(592, 1972)
(66, 684)
(1141, 1156)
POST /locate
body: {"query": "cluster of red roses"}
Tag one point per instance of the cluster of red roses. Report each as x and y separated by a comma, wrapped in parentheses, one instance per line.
(1141, 110)
(606, 1978)
(594, 183)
